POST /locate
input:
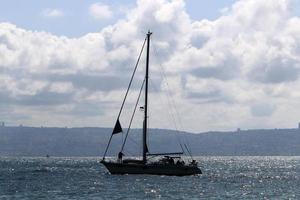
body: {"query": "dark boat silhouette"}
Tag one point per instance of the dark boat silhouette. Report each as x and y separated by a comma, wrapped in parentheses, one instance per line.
(168, 164)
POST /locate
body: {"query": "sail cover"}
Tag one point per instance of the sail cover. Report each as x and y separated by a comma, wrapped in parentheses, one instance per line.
(118, 128)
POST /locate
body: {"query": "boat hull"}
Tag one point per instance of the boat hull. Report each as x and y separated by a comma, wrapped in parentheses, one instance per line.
(154, 169)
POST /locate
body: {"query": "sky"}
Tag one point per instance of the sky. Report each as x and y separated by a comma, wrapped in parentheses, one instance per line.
(215, 65)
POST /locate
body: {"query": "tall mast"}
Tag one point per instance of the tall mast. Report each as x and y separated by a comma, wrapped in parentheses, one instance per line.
(145, 149)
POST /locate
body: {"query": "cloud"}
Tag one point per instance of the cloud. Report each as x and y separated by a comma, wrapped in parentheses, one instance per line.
(242, 66)
(21, 50)
(52, 13)
(262, 109)
(89, 81)
(277, 70)
(100, 11)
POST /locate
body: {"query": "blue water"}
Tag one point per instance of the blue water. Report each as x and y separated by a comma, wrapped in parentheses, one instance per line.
(86, 178)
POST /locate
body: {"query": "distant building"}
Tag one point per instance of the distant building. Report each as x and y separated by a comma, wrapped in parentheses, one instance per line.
(238, 130)
(299, 125)
(2, 124)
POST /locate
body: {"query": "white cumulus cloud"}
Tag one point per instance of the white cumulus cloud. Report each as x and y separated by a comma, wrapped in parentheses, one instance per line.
(52, 13)
(100, 11)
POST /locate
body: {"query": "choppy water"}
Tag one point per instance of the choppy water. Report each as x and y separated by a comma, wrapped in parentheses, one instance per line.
(85, 178)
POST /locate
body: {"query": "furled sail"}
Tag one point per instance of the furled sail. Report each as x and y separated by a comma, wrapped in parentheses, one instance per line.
(147, 150)
(118, 128)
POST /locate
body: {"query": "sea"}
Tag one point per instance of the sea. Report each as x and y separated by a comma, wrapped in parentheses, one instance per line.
(85, 178)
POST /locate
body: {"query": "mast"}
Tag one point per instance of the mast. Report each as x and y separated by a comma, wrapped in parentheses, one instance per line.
(145, 149)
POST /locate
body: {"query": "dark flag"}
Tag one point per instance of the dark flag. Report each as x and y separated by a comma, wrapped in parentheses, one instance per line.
(118, 128)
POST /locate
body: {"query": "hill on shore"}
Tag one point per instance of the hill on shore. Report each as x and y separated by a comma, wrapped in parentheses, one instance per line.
(33, 141)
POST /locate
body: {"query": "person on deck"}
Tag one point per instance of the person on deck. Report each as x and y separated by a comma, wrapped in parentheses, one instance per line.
(171, 160)
(120, 156)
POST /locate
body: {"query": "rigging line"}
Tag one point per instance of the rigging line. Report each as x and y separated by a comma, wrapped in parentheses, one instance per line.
(168, 95)
(189, 151)
(135, 68)
(168, 88)
(185, 140)
(160, 96)
(132, 140)
(169, 113)
(133, 143)
(176, 112)
(162, 71)
(136, 65)
(132, 115)
(170, 99)
(129, 152)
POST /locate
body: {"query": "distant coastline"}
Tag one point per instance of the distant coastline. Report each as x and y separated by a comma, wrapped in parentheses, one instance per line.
(42, 141)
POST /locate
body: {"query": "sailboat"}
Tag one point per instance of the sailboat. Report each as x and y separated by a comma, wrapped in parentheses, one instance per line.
(167, 164)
